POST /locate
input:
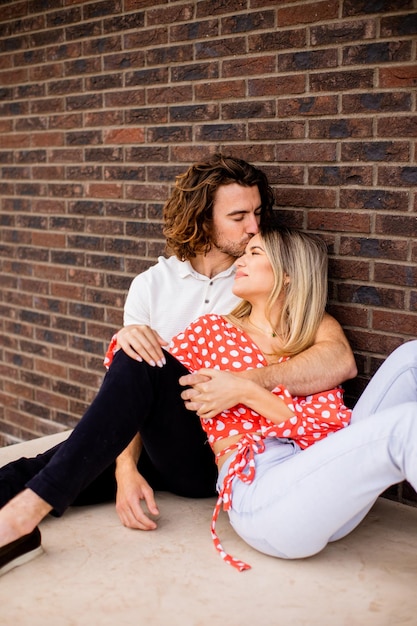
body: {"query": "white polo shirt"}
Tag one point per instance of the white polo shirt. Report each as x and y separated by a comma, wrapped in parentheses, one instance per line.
(171, 294)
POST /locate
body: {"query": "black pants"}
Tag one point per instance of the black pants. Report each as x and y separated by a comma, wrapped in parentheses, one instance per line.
(133, 397)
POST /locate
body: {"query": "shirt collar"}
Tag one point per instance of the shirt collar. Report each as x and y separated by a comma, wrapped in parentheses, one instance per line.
(186, 269)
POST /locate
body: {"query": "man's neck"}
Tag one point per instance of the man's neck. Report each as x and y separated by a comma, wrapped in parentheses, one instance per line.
(212, 263)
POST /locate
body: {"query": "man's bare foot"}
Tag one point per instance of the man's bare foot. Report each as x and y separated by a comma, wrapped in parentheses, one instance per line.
(21, 515)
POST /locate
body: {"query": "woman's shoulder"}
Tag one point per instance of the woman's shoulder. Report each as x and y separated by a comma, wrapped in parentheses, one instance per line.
(211, 320)
(210, 324)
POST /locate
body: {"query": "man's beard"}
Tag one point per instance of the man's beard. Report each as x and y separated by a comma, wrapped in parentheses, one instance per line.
(232, 248)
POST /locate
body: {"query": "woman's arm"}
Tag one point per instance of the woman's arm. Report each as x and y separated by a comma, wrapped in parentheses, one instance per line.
(248, 393)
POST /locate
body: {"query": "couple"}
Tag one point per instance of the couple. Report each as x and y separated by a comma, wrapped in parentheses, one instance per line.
(275, 460)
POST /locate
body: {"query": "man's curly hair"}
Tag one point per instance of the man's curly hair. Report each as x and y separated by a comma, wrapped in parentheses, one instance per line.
(188, 214)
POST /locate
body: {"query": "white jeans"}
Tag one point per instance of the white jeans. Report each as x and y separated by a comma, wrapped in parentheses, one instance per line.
(301, 500)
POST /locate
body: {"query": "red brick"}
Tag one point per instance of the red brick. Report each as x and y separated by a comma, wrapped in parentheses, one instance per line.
(302, 197)
(339, 221)
(220, 90)
(377, 53)
(48, 172)
(354, 316)
(49, 105)
(306, 152)
(284, 174)
(340, 31)
(48, 71)
(371, 247)
(15, 141)
(331, 175)
(376, 151)
(252, 66)
(135, 5)
(78, 67)
(125, 98)
(218, 7)
(124, 135)
(14, 10)
(248, 22)
(49, 240)
(342, 81)
(307, 60)
(146, 38)
(170, 14)
(397, 126)
(65, 121)
(14, 76)
(218, 48)
(340, 128)
(278, 39)
(276, 85)
(276, 130)
(405, 76)
(374, 199)
(308, 13)
(381, 343)
(201, 30)
(395, 323)
(147, 192)
(397, 176)
(400, 275)
(349, 269)
(169, 95)
(104, 190)
(371, 296)
(308, 106)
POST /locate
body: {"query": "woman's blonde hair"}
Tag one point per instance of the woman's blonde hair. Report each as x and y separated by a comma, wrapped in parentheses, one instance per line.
(188, 213)
(299, 264)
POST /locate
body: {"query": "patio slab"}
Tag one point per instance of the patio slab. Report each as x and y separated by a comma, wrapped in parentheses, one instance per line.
(96, 572)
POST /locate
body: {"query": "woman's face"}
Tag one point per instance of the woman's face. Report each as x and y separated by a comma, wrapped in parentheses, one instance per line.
(254, 278)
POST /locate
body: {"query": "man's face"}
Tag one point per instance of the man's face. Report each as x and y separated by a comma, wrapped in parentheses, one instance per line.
(236, 217)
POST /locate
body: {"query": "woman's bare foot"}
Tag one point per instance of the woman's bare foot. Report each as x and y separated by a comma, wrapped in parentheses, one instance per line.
(21, 515)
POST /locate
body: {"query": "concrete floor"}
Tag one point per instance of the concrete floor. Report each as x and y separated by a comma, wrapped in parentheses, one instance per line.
(95, 572)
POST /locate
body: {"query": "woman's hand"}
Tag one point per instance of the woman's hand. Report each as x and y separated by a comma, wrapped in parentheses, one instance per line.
(141, 342)
(212, 391)
(132, 489)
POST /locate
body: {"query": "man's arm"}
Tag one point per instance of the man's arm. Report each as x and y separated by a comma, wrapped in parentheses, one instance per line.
(325, 365)
(132, 488)
(139, 341)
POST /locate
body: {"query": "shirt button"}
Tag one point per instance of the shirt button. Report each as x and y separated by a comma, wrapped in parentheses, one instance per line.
(206, 301)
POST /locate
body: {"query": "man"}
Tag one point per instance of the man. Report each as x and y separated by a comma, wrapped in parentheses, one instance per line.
(214, 210)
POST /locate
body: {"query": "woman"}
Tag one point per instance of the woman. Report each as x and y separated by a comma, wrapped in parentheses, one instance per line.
(285, 496)
(283, 280)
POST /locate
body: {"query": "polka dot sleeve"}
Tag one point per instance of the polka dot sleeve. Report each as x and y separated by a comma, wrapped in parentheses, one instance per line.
(315, 417)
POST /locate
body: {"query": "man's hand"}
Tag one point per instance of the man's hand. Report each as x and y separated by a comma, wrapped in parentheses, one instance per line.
(131, 491)
(211, 391)
(141, 342)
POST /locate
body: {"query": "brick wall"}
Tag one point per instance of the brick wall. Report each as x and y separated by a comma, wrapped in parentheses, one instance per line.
(102, 103)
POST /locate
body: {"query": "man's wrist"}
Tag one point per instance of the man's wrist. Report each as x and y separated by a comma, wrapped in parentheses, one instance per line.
(125, 464)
